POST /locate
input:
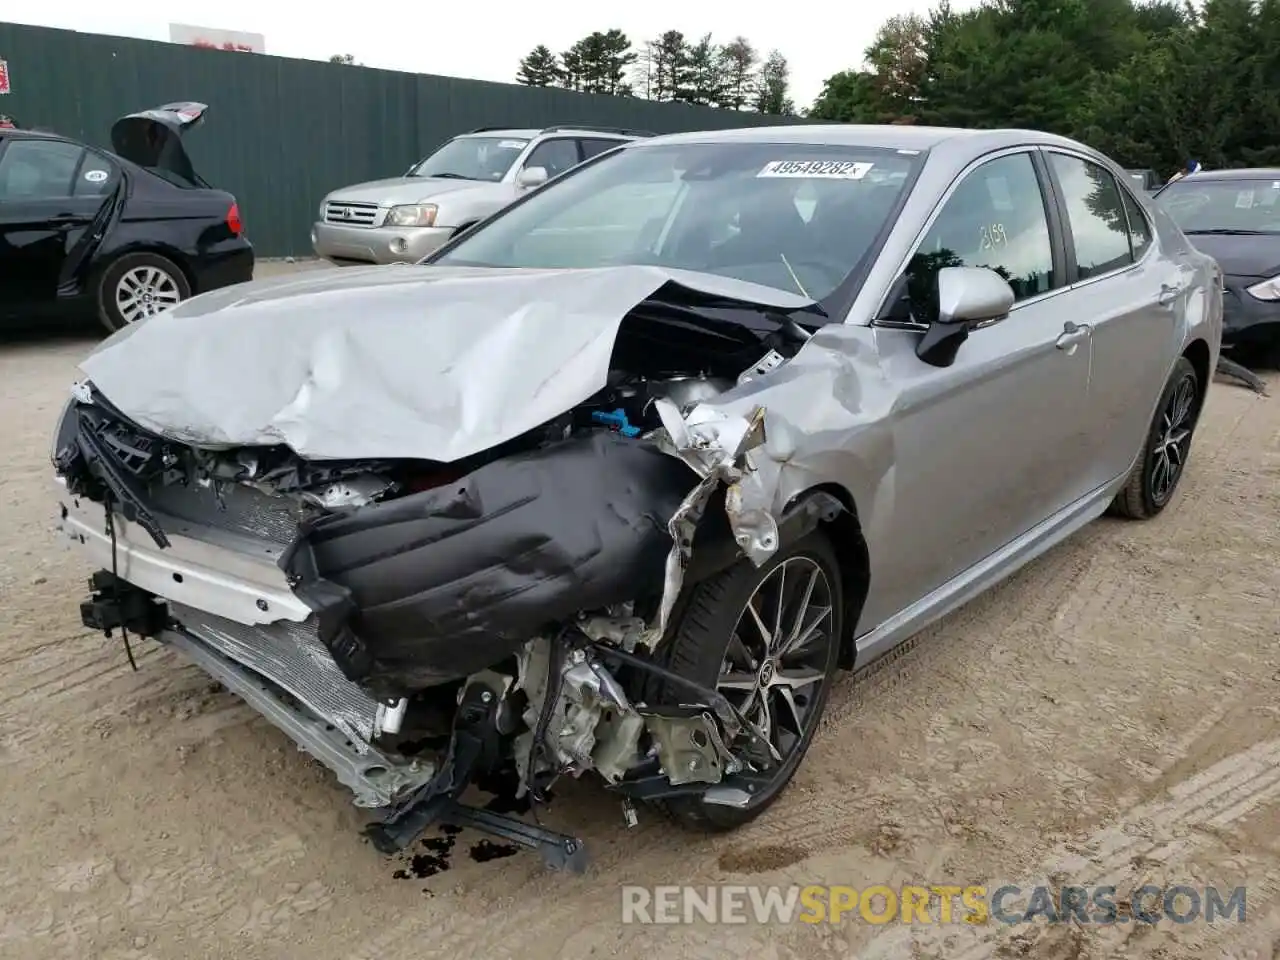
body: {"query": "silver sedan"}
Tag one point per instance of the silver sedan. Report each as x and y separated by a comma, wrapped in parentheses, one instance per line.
(616, 481)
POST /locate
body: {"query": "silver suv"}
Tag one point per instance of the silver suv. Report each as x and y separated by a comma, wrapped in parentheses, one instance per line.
(465, 180)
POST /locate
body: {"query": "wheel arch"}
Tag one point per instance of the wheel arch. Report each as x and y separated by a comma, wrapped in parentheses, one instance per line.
(844, 529)
(158, 248)
(1197, 352)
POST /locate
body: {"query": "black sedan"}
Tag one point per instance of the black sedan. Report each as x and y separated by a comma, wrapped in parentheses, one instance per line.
(1234, 216)
(127, 233)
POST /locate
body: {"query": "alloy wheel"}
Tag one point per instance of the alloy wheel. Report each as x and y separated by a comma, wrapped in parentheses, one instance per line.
(1173, 442)
(775, 663)
(144, 292)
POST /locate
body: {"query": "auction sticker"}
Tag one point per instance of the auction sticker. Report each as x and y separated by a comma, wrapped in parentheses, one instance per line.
(817, 169)
(1244, 199)
(95, 176)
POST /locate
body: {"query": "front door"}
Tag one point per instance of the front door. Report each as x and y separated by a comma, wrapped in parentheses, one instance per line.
(990, 446)
(51, 191)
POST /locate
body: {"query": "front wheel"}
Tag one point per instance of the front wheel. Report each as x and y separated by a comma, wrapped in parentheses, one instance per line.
(768, 639)
(1159, 468)
(139, 285)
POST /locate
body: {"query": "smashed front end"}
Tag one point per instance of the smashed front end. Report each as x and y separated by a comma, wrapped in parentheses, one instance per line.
(419, 625)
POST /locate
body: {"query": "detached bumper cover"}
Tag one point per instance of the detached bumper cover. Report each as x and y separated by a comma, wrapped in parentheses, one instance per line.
(440, 584)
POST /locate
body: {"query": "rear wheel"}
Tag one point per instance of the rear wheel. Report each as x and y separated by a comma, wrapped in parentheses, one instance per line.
(1155, 476)
(139, 285)
(768, 639)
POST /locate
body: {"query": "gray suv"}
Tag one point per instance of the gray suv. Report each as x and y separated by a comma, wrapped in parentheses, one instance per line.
(469, 177)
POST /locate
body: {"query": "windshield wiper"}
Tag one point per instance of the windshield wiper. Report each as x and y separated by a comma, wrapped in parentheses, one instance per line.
(1225, 232)
(446, 176)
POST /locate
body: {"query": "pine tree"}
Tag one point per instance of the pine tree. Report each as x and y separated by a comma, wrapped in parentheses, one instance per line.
(541, 68)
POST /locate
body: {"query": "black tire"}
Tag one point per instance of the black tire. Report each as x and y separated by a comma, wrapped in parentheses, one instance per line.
(1144, 493)
(701, 643)
(170, 282)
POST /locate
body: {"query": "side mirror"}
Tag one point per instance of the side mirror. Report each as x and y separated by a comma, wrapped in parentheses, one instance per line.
(967, 297)
(531, 177)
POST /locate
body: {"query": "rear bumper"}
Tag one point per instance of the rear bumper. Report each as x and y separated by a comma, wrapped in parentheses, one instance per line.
(1245, 318)
(378, 245)
(224, 265)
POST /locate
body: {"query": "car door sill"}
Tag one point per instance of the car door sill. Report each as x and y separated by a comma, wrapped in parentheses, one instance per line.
(984, 575)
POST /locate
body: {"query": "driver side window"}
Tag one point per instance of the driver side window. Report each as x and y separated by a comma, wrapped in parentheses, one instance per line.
(996, 219)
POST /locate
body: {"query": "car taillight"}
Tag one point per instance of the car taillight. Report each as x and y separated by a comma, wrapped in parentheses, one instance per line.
(233, 219)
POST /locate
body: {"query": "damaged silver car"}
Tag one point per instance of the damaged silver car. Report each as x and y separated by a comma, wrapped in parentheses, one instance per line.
(616, 482)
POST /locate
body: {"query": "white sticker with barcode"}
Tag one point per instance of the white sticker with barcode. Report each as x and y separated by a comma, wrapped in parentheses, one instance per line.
(817, 169)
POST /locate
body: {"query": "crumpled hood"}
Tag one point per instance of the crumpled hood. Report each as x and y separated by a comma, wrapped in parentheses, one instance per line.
(433, 363)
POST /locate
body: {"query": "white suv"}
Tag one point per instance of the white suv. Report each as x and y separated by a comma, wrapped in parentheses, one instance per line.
(471, 176)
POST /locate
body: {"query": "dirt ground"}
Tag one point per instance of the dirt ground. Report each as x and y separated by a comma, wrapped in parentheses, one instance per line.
(1110, 715)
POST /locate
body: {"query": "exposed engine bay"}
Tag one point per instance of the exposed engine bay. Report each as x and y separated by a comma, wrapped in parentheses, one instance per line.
(496, 620)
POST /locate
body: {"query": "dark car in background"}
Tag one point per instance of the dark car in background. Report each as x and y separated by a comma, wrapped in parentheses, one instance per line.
(127, 233)
(1234, 217)
(1145, 180)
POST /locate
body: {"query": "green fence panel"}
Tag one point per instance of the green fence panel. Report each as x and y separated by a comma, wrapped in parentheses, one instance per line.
(282, 133)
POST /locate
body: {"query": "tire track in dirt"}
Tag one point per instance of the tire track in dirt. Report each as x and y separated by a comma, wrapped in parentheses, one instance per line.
(1161, 832)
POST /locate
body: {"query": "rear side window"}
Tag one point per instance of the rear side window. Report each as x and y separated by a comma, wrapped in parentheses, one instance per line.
(39, 169)
(593, 148)
(1096, 214)
(1139, 228)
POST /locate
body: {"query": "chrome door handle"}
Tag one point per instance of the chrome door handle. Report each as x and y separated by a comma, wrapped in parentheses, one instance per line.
(1072, 334)
(1169, 293)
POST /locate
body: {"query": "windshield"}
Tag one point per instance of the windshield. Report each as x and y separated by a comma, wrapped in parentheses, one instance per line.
(797, 217)
(472, 158)
(1246, 206)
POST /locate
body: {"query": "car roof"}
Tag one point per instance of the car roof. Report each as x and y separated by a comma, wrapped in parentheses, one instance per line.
(1244, 173)
(24, 132)
(888, 136)
(528, 133)
(523, 133)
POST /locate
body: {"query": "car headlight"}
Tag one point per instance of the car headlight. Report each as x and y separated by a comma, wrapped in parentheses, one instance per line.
(411, 215)
(1266, 290)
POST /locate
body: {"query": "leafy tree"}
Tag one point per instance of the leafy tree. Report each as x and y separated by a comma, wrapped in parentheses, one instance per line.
(343, 58)
(774, 81)
(540, 68)
(846, 97)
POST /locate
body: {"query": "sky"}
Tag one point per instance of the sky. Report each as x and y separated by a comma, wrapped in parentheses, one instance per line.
(488, 44)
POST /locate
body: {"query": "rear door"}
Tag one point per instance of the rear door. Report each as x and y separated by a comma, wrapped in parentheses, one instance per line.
(1129, 296)
(990, 446)
(51, 193)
